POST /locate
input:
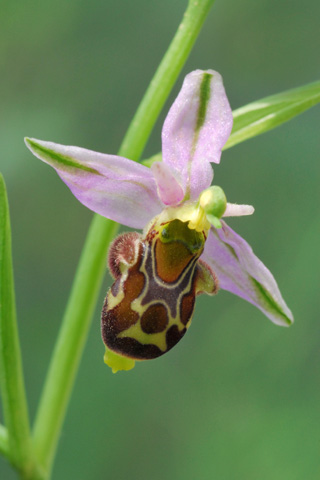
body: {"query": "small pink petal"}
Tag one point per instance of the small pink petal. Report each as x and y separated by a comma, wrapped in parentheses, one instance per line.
(169, 189)
(235, 210)
(196, 128)
(240, 272)
(115, 187)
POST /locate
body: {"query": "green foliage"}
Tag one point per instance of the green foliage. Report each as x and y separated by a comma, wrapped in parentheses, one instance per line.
(267, 113)
(4, 441)
(15, 442)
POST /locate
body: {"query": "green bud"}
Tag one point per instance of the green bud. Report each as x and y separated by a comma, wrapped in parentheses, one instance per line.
(213, 201)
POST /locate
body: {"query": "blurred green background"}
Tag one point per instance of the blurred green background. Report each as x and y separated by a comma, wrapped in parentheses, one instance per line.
(238, 398)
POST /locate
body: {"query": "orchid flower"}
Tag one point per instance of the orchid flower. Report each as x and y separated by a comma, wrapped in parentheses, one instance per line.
(186, 247)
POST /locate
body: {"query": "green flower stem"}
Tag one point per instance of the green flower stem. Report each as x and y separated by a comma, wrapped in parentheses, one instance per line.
(91, 268)
(164, 79)
(71, 340)
(15, 440)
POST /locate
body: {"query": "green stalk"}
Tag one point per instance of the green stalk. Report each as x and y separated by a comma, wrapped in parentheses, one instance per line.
(71, 340)
(90, 272)
(164, 79)
(15, 440)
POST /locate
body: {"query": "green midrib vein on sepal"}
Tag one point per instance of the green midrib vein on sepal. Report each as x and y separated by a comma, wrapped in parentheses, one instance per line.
(56, 159)
(204, 100)
(204, 96)
(270, 304)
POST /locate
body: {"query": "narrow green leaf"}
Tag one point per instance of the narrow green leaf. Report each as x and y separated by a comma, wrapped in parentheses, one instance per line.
(12, 384)
(267, 113)
(4, 441)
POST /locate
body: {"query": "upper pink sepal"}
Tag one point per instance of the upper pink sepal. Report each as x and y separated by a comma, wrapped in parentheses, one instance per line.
(115, 187)
(196, 128)
(242, 273)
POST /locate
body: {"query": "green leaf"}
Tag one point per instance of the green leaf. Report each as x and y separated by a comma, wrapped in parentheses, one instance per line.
(4, 443)
(267, 113)
(12, 385)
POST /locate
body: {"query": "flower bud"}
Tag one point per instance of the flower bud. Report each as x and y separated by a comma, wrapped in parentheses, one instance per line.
(214, 203)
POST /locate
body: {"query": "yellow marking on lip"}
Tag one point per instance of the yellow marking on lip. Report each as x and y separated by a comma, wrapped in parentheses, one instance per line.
(113, 301)
(135, 332)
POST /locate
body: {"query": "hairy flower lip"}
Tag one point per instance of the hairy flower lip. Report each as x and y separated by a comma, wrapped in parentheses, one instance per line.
(193, 135)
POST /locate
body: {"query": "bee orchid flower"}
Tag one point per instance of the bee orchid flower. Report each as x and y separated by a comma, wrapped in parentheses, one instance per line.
(186, 247)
